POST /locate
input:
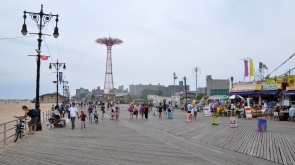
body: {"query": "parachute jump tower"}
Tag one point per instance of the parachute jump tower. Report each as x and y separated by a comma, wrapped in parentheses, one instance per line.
(109, 92)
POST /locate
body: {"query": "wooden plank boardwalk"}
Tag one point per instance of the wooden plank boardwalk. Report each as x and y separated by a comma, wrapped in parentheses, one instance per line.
(162, 141)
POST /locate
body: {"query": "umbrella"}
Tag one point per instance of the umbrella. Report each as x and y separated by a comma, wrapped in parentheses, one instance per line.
(235, 97)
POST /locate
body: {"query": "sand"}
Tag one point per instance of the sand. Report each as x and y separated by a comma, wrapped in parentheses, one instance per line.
(8, 110)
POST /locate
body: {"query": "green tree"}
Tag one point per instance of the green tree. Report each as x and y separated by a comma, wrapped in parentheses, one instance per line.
(200, 95)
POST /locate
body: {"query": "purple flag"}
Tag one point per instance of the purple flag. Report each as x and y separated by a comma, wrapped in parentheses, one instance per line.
(246, 68)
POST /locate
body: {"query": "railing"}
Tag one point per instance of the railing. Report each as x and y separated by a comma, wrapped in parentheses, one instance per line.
(7, 128)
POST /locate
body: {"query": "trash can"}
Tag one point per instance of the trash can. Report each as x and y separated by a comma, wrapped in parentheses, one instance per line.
(262, 124)
(170, 114)
(215, 119)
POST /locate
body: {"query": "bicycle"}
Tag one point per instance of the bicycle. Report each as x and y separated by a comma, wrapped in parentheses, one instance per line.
(19, 130)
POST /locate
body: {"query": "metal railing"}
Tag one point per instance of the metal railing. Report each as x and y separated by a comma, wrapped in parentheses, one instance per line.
(7, 129)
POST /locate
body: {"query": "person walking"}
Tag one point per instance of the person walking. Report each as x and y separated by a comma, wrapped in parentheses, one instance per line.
(195, 110)
(90, 113)
(102, 108)
(73, 113)
(164, 108)
(146, 111)
(136, 109)
(83, 119)
(131, 109)
(160, 108)
(141, 110)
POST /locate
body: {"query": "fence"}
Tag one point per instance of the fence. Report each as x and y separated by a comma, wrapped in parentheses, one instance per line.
(7, 129)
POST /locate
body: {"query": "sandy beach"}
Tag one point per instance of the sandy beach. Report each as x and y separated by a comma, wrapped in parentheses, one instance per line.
(8, 110)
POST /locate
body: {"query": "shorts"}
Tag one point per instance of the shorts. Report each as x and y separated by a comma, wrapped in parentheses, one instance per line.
(56, 116)
(82, 122)
(195, 113)
(33, 121)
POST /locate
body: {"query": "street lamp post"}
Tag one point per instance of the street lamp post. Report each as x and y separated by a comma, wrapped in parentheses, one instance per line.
(232, 81)
(57, 66)
(40, 19)
(174, 77)
(185, 90)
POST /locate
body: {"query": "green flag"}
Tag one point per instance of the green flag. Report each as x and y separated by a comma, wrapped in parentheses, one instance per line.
(260, 65)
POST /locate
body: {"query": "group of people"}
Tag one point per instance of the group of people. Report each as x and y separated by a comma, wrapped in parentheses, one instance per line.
(137, 109)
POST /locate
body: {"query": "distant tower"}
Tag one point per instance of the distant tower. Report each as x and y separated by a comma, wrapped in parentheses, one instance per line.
(109, 92)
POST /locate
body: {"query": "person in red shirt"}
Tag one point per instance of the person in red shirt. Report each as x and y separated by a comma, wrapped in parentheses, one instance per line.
(83, 119)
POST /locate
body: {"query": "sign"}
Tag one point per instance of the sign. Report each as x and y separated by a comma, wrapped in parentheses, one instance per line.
(245, 86)
(248, 112)
(269, 86)
(206, 111)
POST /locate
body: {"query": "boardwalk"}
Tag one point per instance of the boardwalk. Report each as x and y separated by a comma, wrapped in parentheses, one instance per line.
(157, 141)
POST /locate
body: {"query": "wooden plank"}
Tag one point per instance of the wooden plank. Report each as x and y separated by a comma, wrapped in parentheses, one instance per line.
(244, 142)
(235, 139)
(228, 139)
(275, 148)
(231, 139)
(221, 138)
(287, 151)
(268, 156)
(250, 143)
(278, 148)
(258, 145)
(240, 141)
(291, 146)
(264, 139)
(254, 146)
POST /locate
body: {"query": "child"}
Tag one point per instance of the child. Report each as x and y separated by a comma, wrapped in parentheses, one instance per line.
(83, 118)
(112, 115)
(95, 116)
(117, 113)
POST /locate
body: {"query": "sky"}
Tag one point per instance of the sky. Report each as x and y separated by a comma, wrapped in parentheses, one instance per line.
(159, 37)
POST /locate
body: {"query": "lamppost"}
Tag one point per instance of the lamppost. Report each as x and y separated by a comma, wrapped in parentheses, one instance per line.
(197, 72)
(184, 78)
(40, 19)
(174, 77)
(57, 66)
(232, 82)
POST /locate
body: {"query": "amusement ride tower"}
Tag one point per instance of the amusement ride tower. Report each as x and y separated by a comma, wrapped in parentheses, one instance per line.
(109, 92)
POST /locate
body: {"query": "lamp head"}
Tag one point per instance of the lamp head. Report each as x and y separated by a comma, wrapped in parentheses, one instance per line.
(64, 66)
(50, 67)
(55, 33)
(24, 29)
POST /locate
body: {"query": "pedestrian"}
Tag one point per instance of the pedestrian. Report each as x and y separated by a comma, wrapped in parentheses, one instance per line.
(146, 111)
(83, 119)
(34, 114)
(136, 109)
(90, 113)
(56, 116)
(102, 108)
(73, 113)
(195, 110)
(131, 109)
(164, 108)
(141, 110)
(160, 108)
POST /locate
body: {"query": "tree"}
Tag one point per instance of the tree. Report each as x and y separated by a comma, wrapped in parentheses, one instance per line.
(200, 96)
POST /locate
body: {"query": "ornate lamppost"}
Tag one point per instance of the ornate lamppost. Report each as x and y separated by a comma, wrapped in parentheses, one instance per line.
(41, 19)
(174, 78)
(232, 82)
(57, 66)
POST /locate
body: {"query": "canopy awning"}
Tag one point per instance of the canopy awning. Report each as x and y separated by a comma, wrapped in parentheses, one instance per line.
(216, 97)
(271, 92)
(289, 93)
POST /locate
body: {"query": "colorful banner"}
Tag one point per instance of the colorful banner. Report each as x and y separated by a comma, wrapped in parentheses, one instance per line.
(245, 86)
(251, 67)
(246, 73)
(60, 76)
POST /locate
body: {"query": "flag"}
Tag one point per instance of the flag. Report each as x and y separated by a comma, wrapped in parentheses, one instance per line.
(60, 76)
(251, 67)
(246, 73)
(43, 57)
(262, 66)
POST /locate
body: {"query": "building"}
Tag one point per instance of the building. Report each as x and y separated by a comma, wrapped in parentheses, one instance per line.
(217, 86)
(51, 98)
(81, 91)
(202, 90)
